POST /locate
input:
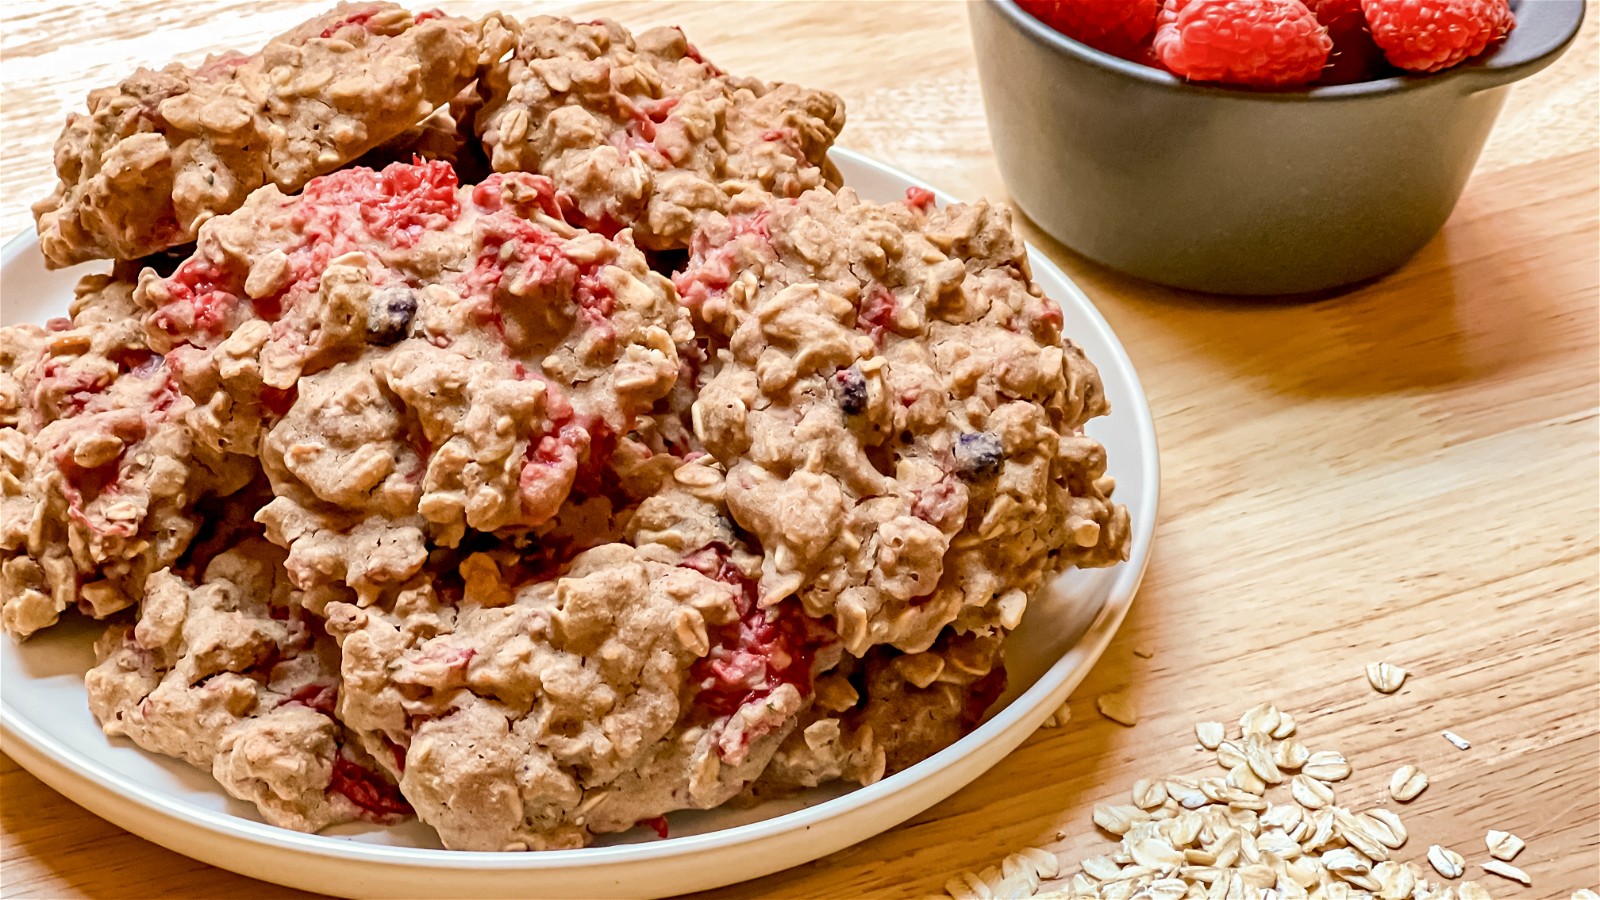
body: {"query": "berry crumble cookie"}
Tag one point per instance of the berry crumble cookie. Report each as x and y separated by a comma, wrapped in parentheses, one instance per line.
(517, 426)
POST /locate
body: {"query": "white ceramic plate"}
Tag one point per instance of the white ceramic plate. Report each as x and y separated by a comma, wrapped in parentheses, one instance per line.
(46, 727)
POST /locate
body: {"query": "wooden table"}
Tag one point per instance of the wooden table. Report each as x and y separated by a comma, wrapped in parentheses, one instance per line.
(1407, 472)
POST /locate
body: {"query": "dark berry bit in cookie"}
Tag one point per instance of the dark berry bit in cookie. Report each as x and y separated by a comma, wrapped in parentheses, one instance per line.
(852, 390)
(389, 318)
(978, 454)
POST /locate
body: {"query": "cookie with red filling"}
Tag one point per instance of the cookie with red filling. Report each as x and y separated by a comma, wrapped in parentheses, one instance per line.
(899, 412)
(528, 709)
(642, 132)
(99, 474)
(159, 154)
(412, 360)
(228, 674)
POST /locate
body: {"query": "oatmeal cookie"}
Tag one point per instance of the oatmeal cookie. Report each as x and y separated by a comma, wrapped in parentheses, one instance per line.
(900, 415)
(643, 133)
(98, 473)
(531, 710)
(412, 359)
(888, 711)
(232, 677)
(162, 152)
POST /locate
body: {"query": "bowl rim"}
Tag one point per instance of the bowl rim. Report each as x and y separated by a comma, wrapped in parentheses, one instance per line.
(1493, 67)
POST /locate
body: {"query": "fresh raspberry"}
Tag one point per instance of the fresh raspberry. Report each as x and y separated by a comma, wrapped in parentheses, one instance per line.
(1261, 43)
(1355, 57)
(1429, 35)
(1115, 26)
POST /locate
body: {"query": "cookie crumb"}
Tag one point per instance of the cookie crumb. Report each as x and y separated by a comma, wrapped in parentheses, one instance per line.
(1118, 708)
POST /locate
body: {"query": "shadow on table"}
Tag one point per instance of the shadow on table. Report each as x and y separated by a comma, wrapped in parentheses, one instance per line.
(96, 859)
(1463, 309)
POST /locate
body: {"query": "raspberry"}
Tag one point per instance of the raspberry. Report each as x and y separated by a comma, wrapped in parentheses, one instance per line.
(1429, 35)
(1260, 43)
(1118, 26)
(1355, 57)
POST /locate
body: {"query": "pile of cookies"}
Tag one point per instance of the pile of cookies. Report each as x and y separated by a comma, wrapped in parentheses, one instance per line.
(517, 424)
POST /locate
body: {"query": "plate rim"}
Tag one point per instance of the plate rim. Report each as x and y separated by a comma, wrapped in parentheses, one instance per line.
(1062, 676)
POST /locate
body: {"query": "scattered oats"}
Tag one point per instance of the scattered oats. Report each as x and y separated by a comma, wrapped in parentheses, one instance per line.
(1326, 765)
(1282, 816)
(1047, 864)
(1366, 882)
(1165, 889)
(1018, 878)
(1506, 870)
(1446, 862)
(1385, 678)
(1245, 820)
(1278, 844)
(1229, 754)
(1345, 861)
(1143, 652)
(1322, 832)
(1585, 894)
(1187, 793)
(1148, 794)
(1199, 838)
(1305, 871)
(1503, 845)
(1258, 753)
(1060, 717)
(1120, 890)
(1309, 792)
(1258, 876)
(1395, 880)
(1238, 800)
(1100, 868)
(1406, 783)
(1387, 827)
(1335, 890)
(1156, 854)
(1260, 719)
(1290, 754)
(1118, 819)
(1460, 742)
(1358, 833)
(1118, 708)
(1182, 830)
(968, 886)
(1286, 726)
(1244, 779)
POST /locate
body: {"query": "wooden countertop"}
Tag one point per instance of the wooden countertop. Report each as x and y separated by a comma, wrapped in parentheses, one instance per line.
(1407, 472)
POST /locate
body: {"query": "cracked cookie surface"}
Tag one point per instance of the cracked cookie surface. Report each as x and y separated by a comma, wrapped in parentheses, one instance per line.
(899, 413)
(159, 154)
(643, 133)
(532, 711)
(230, 676)
(412, 360)
(100, 474)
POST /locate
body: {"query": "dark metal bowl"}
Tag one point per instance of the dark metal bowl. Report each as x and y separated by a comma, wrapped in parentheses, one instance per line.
(1234, 191)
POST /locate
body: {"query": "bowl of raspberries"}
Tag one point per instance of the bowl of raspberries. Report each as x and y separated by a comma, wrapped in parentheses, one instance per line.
(1251, 147)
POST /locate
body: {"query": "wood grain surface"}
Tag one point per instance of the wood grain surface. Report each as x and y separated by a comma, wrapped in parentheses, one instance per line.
(1406, 472)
